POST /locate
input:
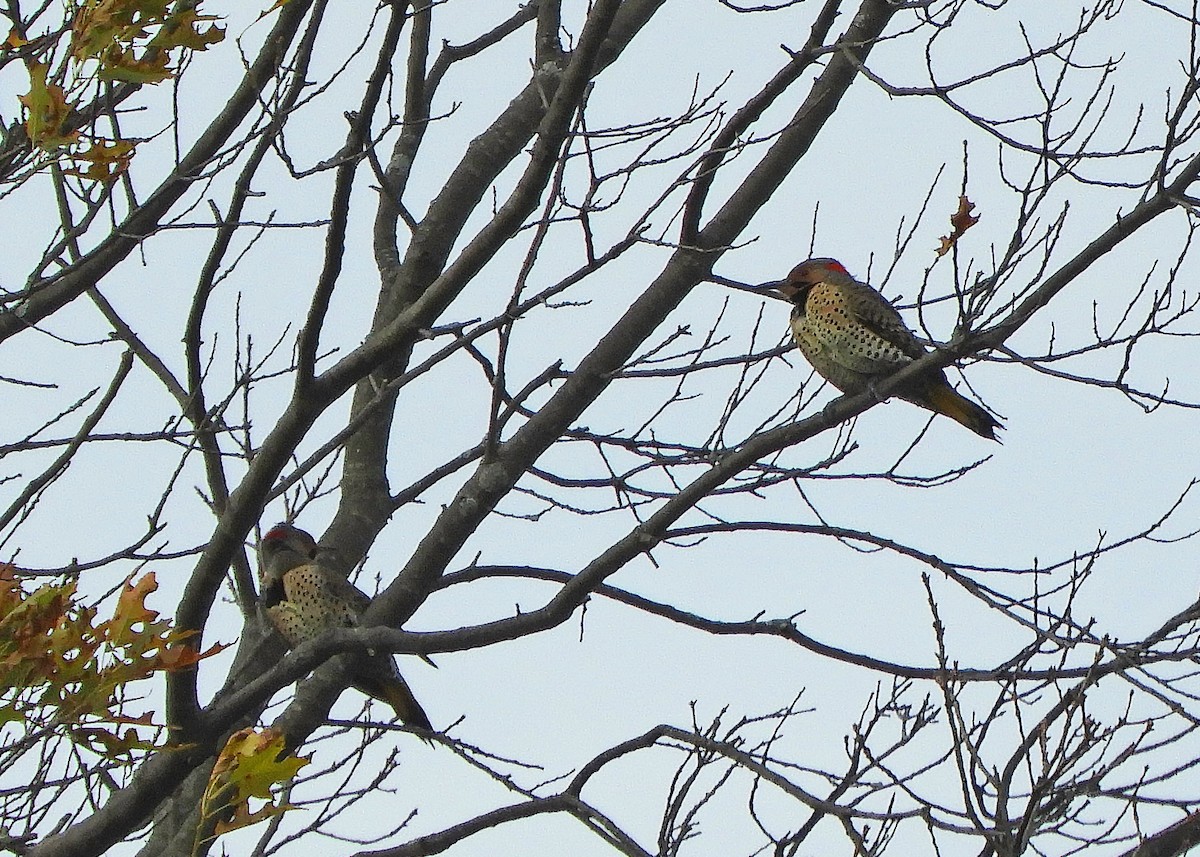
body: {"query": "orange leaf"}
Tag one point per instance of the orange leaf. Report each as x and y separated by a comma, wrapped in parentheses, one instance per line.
(132, 609)
(181, 656)
(8, 583)
(960, 222)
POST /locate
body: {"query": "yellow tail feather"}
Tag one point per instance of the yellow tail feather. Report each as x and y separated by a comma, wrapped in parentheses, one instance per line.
(400, 698)
(377, 678)
(945, 400)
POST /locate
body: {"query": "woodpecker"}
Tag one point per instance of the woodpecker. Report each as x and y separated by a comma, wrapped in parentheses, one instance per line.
(302, 599)
(853, 336)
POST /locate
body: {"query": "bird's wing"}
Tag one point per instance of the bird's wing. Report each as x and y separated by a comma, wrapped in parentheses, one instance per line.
(345, 592)
(876, 313)
(354, 596)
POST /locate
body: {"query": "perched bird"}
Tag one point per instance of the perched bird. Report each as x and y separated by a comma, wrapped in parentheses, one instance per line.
(303, 599)
(853, 336)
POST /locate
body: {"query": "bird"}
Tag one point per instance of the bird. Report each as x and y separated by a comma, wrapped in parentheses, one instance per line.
(302, 598)
(853, 337)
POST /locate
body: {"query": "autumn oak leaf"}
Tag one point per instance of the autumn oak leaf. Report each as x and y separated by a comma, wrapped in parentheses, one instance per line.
(132, 610)
(960, 222)
(250, 765)
(47, 111)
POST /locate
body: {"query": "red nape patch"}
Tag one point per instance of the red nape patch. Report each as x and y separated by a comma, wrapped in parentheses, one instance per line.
(279, 531)
(835, 265)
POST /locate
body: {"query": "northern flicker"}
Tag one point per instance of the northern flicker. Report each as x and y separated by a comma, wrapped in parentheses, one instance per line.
(302, 599)
(853, 336)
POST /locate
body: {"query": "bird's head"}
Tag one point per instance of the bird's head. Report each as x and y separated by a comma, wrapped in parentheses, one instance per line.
(284, 547)
(807, 274)
(804, 276)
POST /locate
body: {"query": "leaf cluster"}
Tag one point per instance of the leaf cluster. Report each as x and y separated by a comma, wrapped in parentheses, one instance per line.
(111, 42)
(250, 765)
(63, 664)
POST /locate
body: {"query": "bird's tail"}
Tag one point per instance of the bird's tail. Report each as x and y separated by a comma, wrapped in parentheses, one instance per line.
(400, 698)
(944, 399)
(393, 690)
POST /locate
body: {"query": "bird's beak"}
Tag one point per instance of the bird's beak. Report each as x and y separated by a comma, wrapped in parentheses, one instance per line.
(769, 289)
